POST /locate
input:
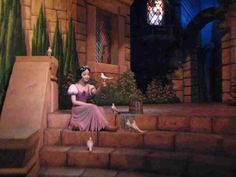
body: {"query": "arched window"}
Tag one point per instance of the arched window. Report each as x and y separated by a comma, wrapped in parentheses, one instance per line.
(155, 12)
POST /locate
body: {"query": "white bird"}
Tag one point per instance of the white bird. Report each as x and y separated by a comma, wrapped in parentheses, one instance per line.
(49, 51)
(114, 108)
(104, 78)
(90, 144)
(134, 126)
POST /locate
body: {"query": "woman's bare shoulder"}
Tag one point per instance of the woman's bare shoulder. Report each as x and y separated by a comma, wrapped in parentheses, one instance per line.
(72, 89)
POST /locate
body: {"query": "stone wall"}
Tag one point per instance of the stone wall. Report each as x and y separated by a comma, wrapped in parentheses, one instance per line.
(228, 46)
(181, 80)
(53, 8)
(177, 81)
(81, 11)
(183, 84)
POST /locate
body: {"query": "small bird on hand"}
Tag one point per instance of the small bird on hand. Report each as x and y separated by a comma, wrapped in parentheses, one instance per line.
(114, 109)
(104, 78)
(49, 51)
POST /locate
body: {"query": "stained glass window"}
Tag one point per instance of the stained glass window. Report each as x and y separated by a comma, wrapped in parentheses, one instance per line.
(155, 12)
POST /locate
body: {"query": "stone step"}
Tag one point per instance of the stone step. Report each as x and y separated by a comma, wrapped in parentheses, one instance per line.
(162, 140)
(17, 151)
(17, 144)
(198, 124)
(171, 163)
(93, 172)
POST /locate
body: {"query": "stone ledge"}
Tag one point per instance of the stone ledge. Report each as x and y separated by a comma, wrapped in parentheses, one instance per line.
(78, 138)
(175, 123)
(80, 156)
(54, 155)
(120, 139)
(18, 138)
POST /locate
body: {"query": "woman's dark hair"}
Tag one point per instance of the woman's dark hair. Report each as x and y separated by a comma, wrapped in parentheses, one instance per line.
(81, 70)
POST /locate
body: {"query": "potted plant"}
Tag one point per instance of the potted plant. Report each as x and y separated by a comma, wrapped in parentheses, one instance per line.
(136, 102)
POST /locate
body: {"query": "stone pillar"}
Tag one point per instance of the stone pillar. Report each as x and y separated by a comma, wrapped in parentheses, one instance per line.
(121, 46)
(187, 73)
(178, 82)
(194, 81)
(81, 34)
(91, 33)
(228, 45)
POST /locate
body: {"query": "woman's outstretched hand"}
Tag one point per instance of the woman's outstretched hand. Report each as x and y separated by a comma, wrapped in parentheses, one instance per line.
(104, 84)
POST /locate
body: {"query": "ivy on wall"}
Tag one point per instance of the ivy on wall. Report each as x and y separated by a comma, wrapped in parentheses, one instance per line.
(12, 41)
(40, 39)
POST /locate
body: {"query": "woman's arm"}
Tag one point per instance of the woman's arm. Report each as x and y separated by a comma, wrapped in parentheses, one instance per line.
(94, 91)
(76, 102)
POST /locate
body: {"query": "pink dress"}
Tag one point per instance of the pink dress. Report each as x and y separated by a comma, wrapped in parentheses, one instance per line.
(86, 117)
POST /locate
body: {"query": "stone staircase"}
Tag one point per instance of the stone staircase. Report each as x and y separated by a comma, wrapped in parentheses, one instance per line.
(177, 146)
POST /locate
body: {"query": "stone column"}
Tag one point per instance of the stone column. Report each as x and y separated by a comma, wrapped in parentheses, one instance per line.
(187, 80)
(121, 44)
(228, 45)
(177, 80)
(91, 33)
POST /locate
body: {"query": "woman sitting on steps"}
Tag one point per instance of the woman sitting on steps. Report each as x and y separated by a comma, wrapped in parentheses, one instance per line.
(86, 116)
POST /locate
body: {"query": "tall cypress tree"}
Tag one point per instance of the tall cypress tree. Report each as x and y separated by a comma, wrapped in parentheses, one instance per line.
(12, 41)
(5, 9)
(70, 53)
(57, 50)
(9, 54)
(19, 35)
(40, 39)
(1, 16)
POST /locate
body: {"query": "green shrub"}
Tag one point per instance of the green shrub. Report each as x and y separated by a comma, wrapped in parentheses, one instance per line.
(158, 92)
(126, 89)
(109, 95)
(121, 93)
(127, 86)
